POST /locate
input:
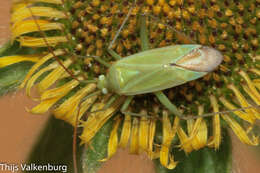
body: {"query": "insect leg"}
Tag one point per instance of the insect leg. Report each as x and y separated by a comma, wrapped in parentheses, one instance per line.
(167, 103)
(145, 46)
(125, 106)
(221, 112)
(109, 103)
(114, 54)
(143, 33)
(122, 25)
(126, 103)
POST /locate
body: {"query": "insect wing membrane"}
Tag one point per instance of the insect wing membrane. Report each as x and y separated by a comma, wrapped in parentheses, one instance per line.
(151, 71)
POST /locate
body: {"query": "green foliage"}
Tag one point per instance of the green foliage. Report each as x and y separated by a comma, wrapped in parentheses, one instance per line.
(11, 76)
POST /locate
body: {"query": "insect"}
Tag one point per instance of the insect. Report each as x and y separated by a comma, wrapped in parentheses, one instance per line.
(152, 71)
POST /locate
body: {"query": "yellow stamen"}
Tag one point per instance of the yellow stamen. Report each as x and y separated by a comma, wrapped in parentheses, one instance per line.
(24, 13)
(52, 77)
(134, 137)
(38, 64)
(239, 131)
(9, 60)
(96, 120)
(29, 26)
(215, 142)
(240, 114)
(113, 140)
(126, 131)
(40, 42)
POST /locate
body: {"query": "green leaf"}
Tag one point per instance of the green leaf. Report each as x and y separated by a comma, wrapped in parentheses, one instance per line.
(206, 160)
(97, 150)
(11, 76)
(54, 146)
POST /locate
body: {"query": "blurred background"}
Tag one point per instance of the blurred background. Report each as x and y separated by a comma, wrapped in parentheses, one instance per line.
(19, 129)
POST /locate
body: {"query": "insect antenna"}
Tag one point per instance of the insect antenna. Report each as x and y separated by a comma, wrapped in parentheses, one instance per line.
(221, 112)
(170, 27)
(122, 25)
(74, 145)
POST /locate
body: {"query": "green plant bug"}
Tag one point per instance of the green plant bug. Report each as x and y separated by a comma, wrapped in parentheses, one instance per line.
(158, 69)
(154, 70)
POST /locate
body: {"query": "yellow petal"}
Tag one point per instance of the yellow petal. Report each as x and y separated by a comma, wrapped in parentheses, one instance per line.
(184, 139)
(240, 114)
(257, 83)
(216, 140)
(45, 105)
(239, 131)
(134, 149)
(251, 86)
(126, 131)
(19, 5)
(252, 95)
(29, 26)
(152, 127)
(53, 77)
(71, 117)
(32, 80)
(243, 101)
(96, 120)
(68, 110)
(113, 140)
(254, 70)
(47, 1)
(9, 60)
(55, 92)
(24, 13)
(41, 42)
(201, 138)
(73, 101)
(164, 155)
(38, 64)
(168, 135)
(198, 132)
(143, 134)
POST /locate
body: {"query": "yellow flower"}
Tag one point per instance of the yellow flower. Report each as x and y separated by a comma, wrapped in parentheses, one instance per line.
(73, 39)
